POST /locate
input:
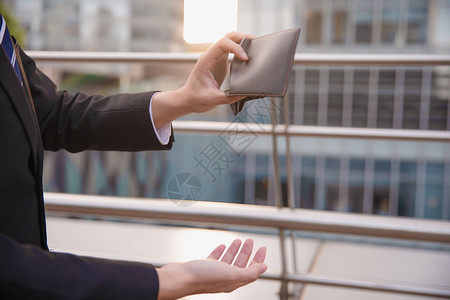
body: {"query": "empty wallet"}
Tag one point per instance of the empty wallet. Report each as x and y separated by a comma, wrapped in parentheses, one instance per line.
(266, 73)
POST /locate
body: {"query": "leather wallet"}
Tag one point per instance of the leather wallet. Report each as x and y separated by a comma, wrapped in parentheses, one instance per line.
(266, 73)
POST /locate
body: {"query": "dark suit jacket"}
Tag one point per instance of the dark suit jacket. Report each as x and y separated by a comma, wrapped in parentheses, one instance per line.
(34, 117)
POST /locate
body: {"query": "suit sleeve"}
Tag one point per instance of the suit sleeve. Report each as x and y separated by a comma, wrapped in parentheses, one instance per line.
(78, 122)
(28, 272)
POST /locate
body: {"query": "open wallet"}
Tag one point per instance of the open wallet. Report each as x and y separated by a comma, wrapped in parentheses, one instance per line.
(266, 73)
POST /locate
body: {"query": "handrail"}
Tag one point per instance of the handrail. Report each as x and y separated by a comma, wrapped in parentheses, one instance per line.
(300, 58)
(312, 131)
(363, 285)
(252, 215)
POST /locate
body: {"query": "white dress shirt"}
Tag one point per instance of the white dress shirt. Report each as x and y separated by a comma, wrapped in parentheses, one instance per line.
(164, 132)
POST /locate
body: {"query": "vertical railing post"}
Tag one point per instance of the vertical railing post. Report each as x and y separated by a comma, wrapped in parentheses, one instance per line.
(284, 293)
(290, 190)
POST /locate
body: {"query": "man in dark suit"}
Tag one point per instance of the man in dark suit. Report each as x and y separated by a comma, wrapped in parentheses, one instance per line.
(35, 116)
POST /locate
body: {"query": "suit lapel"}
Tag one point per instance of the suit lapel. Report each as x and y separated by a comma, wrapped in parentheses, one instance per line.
(21, 100)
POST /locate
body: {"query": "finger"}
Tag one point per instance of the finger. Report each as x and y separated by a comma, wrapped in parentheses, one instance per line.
(237, 37)
(217, 253)
(259, 257)
(228, 257)
(230, 46)
(244, 255)
(258, 269)
(225, 46)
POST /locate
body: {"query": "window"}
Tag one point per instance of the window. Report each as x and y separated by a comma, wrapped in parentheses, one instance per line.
(381, 200)
(313, 27)
(434, 190)
(411, 103)
(262, 190)
(332, 166)
(407, 188)
(381, 189)
(308, 182)
(335, 98)
(312, 79)
(360, 98)
(339, 26)
(389, 26)
(356, 185)
(385, 103)
(363, 19)
(439, 103)
(417, 22)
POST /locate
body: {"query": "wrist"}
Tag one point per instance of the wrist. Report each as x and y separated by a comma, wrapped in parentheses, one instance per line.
(174, 283)
(169, 105)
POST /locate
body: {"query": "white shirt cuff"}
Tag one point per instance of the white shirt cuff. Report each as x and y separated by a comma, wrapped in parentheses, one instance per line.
(164, 132)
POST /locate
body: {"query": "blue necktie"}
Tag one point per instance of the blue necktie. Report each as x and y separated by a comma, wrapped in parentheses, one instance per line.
(7, 45)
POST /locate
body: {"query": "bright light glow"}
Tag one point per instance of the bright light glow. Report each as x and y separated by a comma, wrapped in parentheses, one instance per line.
(206, 21)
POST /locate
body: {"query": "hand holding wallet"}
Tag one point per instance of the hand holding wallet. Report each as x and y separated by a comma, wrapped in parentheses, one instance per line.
(266, 73)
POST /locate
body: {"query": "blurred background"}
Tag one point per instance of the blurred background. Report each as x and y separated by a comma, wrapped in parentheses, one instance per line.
(405, 178)
(379, 177)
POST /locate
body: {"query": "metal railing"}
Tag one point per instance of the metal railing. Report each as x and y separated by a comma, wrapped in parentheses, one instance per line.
(312, 131)
(217, 214)
(279, 218)
(300, 58)
(279, 129)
